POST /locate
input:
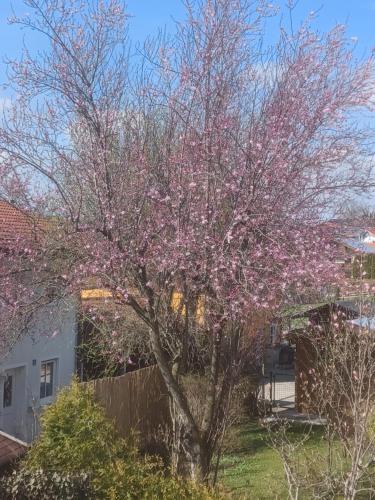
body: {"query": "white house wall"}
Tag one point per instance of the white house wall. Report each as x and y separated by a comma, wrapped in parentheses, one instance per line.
(52, 336)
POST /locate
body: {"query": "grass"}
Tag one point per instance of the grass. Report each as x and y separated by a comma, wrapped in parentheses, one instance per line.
(253, 470)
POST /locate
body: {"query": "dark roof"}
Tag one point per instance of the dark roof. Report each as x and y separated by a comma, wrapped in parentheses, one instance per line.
(303, 310)
(299, 310)
(351, 304)
(11, 448)
(16, 223)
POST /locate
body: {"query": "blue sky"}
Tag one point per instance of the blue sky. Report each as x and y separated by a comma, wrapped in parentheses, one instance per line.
(149, 15)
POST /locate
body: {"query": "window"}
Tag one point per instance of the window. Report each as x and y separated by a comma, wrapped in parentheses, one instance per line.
(7, 391)
(273, 333)
(46, 379)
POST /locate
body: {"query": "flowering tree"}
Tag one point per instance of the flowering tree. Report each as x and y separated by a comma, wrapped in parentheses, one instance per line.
(191, 183)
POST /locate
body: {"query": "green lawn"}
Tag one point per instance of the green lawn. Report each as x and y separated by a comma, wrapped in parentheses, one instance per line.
(253, 470)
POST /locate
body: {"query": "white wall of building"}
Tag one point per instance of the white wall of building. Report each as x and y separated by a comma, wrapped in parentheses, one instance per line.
(51, 337)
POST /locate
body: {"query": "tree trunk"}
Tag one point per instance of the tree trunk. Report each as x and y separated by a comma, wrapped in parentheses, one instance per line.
(188, 456)
(350, 489)
(190, 453)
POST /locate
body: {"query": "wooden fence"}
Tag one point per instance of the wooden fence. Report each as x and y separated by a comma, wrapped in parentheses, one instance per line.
(135, 401)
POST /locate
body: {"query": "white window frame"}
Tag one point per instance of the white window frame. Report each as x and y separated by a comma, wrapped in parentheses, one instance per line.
(48, 399)
(9, 407)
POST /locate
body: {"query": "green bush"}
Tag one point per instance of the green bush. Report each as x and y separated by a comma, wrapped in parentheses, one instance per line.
(39, 484)
(76, 435)
(79, 450)
(147, 481)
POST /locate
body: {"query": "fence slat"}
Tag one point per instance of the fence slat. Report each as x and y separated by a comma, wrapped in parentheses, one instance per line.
(137, 401)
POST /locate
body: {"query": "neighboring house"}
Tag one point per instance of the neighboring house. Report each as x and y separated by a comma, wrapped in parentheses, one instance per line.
(302, 321)
(287, 336)
(112, 339)
(39, 363)
(43, 359)
(357, 256)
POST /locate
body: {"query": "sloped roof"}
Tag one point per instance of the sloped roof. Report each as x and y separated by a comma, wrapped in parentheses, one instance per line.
(299, 310)
(11, 448)
(303, 310)
(15, 223)
(363, 322)
(359, 246)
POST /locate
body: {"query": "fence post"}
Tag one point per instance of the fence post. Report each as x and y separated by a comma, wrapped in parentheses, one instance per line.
(271, 399)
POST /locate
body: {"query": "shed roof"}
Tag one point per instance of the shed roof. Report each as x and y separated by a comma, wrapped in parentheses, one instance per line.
(301, 310)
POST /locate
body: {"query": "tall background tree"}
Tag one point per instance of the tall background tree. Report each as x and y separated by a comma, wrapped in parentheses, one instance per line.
(191, 180)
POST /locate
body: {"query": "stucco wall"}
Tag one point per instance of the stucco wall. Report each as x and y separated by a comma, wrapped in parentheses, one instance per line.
(52, 336)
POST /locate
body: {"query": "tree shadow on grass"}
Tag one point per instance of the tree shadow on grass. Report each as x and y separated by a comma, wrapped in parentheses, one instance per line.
(251, 437)
(251, 468)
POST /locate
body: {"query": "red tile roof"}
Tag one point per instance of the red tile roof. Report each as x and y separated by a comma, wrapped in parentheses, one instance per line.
(10, 448)
(15, 223)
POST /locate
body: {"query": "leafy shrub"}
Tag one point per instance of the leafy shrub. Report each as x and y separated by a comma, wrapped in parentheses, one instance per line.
(80, 455)
(121, 481)
(26, 484)
(76, 435)
(147, 481)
